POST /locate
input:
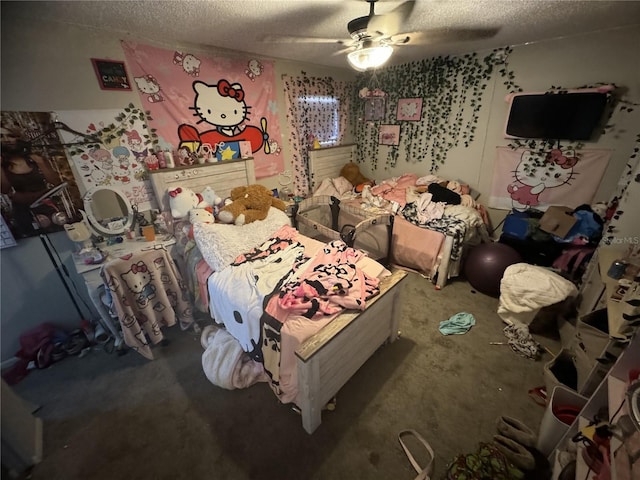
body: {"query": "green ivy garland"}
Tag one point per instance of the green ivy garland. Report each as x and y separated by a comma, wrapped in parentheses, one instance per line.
(451, 87)
(114, 131)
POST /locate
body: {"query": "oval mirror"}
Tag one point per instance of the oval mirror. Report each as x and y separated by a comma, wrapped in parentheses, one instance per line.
(107, 211)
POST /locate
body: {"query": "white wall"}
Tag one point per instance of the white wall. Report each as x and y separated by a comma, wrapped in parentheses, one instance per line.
(609, 57)
(47, 67)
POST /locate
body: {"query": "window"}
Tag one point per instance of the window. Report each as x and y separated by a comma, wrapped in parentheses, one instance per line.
(321, 118)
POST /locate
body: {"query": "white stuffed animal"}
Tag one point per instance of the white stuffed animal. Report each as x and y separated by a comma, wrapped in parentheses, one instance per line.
(209, 198)
(201, 215)
(182, 200)
(198, 215)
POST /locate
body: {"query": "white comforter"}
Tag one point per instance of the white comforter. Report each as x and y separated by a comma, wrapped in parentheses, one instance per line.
(236, 294)
(525, 289)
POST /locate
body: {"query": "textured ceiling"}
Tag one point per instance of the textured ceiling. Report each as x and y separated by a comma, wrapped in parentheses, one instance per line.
(243, 24)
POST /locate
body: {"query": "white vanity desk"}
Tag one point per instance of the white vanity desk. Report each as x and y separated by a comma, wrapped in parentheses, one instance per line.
(91, 275)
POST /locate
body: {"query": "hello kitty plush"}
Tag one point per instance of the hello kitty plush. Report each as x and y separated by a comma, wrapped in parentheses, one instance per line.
(198, 215)
(201, 215)
(182, 200)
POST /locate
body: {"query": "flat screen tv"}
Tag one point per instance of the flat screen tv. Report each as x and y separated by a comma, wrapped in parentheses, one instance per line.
(558, 116)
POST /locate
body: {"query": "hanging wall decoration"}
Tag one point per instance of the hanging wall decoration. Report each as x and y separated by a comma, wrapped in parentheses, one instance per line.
(374, 108)
(409, 109)
(118, 160)
(525, 178)
(112, 74)
(196, 100)
(452, 91)
(317, 109)
(621, 221)
(389, 135)
(374, 101)
(35, 169)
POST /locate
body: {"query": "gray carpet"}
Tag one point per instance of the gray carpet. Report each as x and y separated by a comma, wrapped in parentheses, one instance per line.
(108, 416)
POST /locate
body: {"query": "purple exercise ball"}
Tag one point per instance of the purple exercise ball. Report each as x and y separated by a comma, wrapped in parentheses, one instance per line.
(485, 265)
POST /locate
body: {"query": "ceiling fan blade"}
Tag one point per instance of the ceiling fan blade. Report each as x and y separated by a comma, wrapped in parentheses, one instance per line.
(295, 39)
(390, 23)
(344, 50)
(442, 35)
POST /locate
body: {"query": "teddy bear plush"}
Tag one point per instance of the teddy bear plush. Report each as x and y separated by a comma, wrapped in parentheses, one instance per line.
(181, 201)
(249, 203)
(351, 172)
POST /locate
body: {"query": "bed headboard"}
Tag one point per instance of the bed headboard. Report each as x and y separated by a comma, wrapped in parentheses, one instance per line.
(221, 176)
(327, 163)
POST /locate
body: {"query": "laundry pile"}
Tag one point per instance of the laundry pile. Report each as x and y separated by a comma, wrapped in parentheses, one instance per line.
(43, 345)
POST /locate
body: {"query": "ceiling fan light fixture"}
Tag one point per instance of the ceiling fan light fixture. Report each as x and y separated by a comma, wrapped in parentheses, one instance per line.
(367, 57)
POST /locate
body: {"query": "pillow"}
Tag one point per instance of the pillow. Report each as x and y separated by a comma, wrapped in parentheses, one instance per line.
(221, 243)
(336, 187)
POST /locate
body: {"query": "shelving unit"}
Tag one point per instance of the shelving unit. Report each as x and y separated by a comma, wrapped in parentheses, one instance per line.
(609, 394)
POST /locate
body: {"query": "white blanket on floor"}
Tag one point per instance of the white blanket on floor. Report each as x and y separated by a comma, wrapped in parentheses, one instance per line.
(525, 289)
(225, 363)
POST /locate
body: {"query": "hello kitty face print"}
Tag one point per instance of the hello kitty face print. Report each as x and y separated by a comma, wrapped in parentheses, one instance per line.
(190, 63)
(536, 173)
(222, 105)
(254, 69)
(150, 86)
(138, 280)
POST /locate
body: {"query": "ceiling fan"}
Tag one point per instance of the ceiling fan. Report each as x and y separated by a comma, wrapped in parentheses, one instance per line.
(373, 36)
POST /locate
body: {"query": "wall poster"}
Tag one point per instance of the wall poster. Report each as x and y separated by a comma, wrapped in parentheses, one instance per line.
(118, 160)
(197, 101)
(39, 192)
(524, 179)
(389, 135)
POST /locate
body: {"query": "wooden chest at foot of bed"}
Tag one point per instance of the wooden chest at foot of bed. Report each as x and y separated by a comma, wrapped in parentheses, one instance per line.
(328, 359)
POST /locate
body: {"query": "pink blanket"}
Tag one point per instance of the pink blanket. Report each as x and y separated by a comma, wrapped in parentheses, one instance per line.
(395, 190)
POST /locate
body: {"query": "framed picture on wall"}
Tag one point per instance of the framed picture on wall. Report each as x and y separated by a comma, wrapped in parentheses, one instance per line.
(409, 109)
(374, 109)
(389, 135)
(112, 74)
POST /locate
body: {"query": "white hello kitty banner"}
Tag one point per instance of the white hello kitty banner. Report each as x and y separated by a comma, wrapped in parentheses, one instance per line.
(118, 159)
(209, 104)
(524, 179)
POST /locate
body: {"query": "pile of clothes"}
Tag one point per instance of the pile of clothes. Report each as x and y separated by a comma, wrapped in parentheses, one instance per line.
(43, 345)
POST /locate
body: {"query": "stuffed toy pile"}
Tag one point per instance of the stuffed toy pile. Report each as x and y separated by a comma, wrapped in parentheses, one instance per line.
(187, 205)
(245, 205)
(248, 204)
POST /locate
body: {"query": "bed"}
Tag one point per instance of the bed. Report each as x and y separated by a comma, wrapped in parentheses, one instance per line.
(324, 360)
(436, 252)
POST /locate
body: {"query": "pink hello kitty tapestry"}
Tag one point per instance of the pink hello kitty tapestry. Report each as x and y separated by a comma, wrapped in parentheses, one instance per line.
(205, 106)
(524, 179)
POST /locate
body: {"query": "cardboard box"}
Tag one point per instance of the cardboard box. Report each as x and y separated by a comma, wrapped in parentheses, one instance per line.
(557, 221)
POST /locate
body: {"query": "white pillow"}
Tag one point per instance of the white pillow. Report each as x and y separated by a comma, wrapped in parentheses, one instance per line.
(336, 187)
(221, 243)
